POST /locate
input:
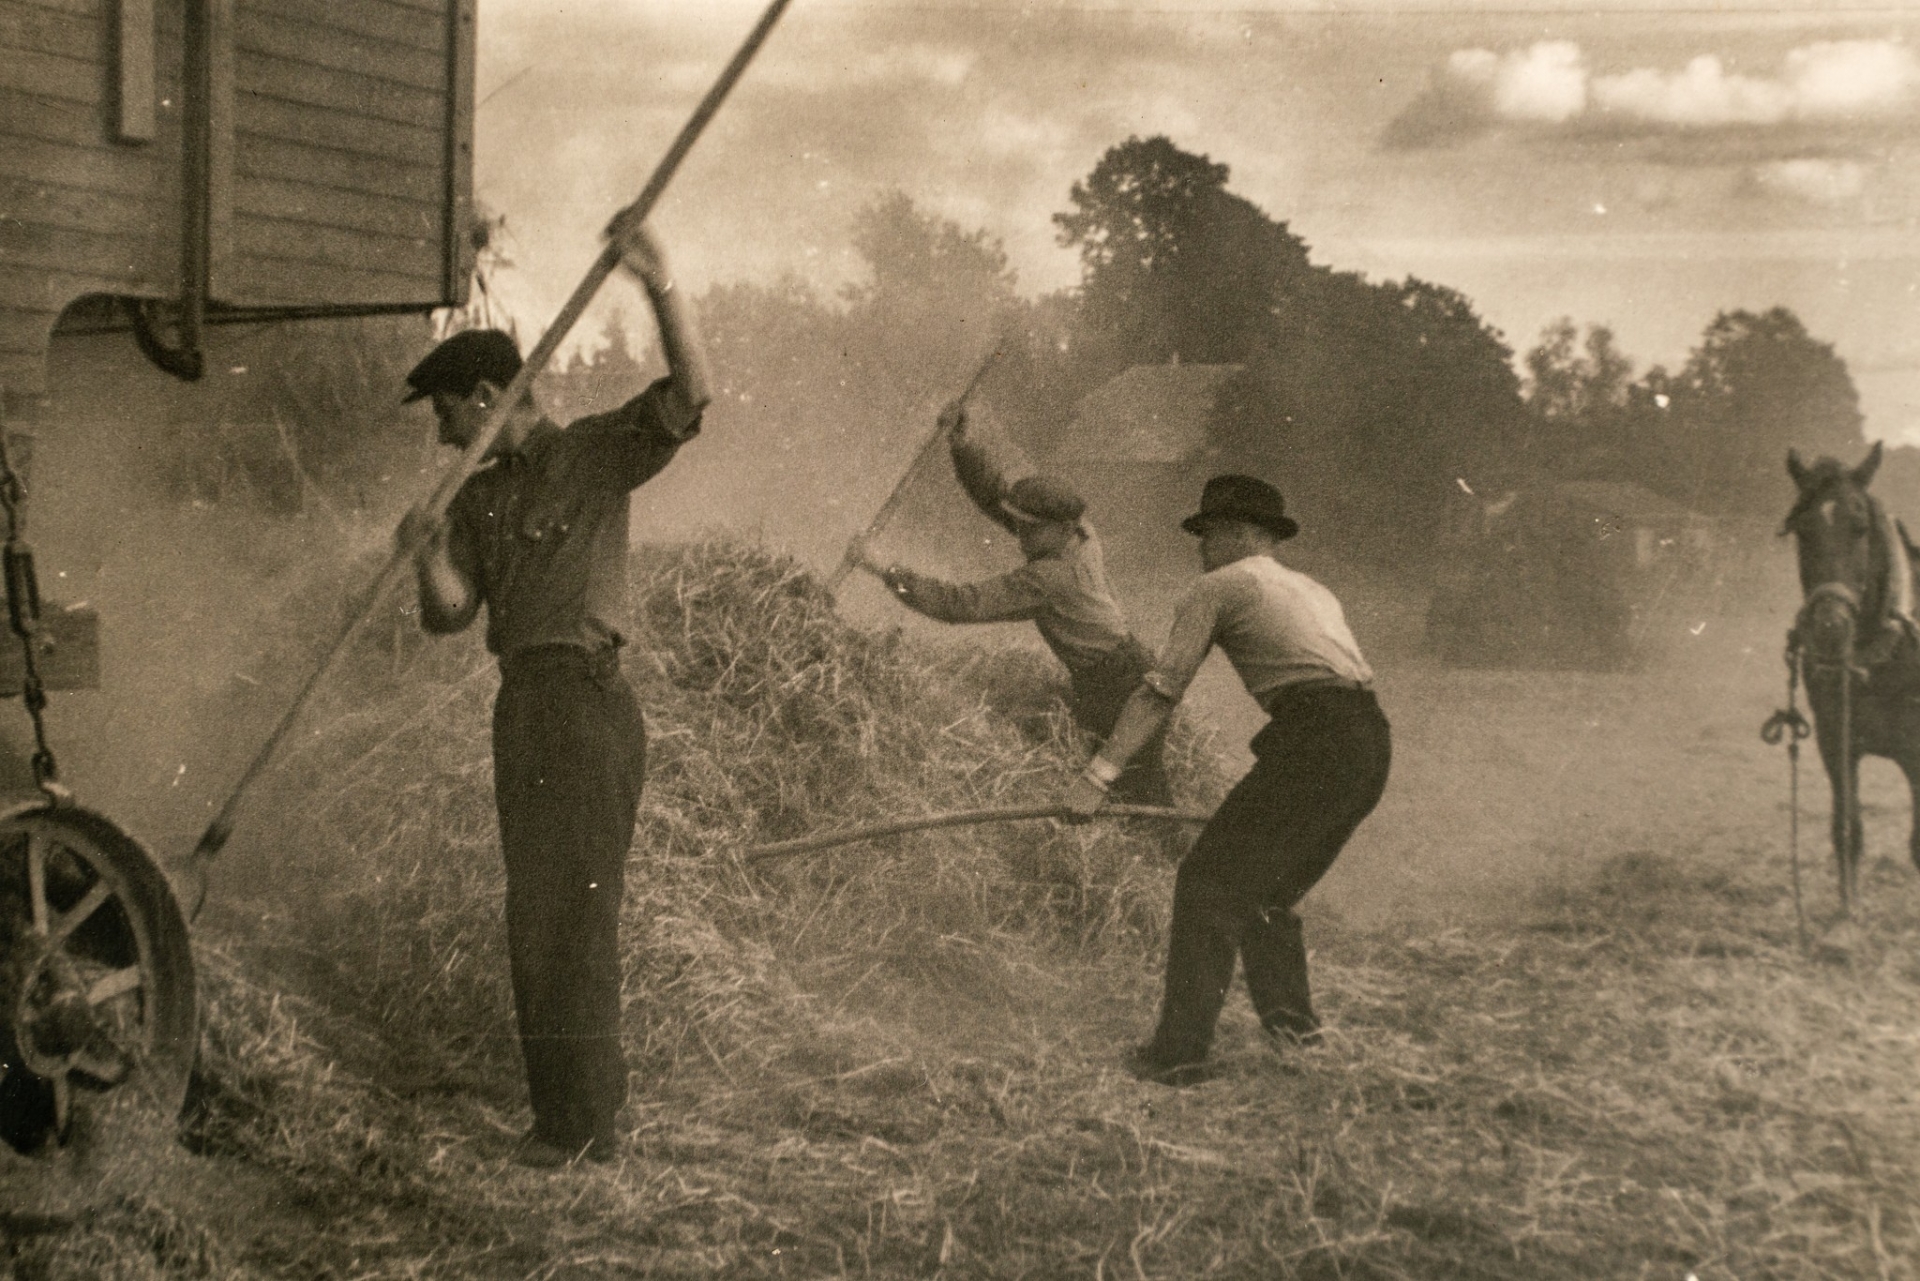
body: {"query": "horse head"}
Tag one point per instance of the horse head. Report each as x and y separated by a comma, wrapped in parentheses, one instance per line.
(1845, 558)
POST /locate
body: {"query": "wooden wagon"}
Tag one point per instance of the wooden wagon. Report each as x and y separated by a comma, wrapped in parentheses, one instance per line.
(166, 165)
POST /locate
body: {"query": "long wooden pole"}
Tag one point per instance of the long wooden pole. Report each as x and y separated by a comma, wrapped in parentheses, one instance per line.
(955, 818)
(221, 828)
(920, 456)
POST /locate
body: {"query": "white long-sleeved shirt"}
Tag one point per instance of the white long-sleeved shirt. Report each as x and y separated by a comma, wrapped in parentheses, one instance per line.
(1277, 626)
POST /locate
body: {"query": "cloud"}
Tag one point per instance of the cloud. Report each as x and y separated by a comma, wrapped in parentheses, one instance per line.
(1845, 79)
(1840, 85)
(1547, 84)
(1475, 90)
(1703, 95)
(1820, 182)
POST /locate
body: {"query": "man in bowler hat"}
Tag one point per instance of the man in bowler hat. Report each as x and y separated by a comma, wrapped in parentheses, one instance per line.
(1320, 766)
(1062, 590)
(539, 536)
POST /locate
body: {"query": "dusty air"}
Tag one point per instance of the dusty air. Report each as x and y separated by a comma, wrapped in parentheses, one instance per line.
(944, 640)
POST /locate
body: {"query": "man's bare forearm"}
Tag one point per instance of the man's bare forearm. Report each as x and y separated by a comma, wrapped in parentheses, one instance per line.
(680, 342)
(1145, 714)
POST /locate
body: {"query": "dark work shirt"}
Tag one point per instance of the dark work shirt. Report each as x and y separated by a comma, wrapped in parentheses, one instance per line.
(541, 533)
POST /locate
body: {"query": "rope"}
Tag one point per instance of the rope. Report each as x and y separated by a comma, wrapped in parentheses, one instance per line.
(1789, 725)
(955, 818)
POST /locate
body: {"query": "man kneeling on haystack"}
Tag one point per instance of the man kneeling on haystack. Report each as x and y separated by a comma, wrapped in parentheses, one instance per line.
(1062, 590)
(1319, 768)
(539, 535)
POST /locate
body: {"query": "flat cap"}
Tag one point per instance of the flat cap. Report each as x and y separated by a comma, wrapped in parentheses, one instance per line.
(463, 362)
(1043, 498)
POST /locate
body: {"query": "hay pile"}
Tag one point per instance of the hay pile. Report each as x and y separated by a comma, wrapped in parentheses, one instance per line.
(902, 1060)
(767, 717)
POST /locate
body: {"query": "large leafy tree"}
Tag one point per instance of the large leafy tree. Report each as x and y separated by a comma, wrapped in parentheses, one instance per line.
(1373, 400)
(1579, 396)
(1377, 401)
(935, 295)
(1173, 265)
(1757, 385)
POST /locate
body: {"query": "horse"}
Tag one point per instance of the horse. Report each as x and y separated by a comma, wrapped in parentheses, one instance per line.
(1854, 640)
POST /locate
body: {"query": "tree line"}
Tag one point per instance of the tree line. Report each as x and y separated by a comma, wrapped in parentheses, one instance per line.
(1381, 400)
(1385, 399)
(1397, 395)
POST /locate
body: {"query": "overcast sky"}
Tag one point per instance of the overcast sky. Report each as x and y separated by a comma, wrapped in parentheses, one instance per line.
(1644, 167)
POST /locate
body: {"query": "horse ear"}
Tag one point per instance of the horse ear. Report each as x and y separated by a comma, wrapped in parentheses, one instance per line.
(1796, 468)
(1863, 474)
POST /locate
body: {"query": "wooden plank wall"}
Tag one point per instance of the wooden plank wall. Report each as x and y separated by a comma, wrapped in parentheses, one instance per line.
(80, 212)
(340, 155)
(339, 173)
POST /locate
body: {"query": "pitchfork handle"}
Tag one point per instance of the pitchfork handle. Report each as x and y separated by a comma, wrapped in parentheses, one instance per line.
(885, 514)
(221, 828)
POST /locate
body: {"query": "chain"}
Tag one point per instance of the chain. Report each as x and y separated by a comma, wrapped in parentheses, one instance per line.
(23, 611)
(1790, 726)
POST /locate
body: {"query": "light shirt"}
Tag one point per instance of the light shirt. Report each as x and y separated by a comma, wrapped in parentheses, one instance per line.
(1277, 626)
(1066, 596)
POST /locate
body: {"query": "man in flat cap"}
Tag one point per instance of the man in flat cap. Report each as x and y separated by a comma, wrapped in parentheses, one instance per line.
(1319, 768)
(539, 536)
(1062, 590)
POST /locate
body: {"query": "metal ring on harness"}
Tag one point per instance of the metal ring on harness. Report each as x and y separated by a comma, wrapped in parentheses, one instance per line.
(1781, 723)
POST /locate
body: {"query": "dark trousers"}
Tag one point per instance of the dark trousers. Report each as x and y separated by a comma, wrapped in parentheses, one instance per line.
(569, 755)
(1320, 767)
(1100, 691)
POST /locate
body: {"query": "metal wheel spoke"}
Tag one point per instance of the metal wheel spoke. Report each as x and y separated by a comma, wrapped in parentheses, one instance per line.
(118, 983)
(96, 976)
(37, 880)
(87, 906)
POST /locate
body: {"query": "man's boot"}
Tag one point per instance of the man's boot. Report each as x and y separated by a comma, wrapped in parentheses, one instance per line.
(1275, 956)
(1201, 946)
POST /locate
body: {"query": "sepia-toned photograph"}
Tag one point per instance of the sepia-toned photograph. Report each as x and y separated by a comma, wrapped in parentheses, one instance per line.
(1114, 639)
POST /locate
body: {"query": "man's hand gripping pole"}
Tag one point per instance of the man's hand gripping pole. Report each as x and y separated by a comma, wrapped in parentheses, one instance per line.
(424, 523)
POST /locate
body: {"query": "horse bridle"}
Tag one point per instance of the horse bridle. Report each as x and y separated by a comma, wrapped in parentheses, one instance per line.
(1849, 598)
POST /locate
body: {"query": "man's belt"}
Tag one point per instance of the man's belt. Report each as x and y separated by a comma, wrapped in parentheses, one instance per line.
(1273, 698)
(535, 659)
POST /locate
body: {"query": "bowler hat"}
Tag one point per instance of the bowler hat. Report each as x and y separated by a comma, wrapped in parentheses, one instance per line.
(463, 362)
(1043, 498)
(1246, 498)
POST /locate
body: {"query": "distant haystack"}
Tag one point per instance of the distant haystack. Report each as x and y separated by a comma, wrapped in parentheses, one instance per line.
(1140, 444)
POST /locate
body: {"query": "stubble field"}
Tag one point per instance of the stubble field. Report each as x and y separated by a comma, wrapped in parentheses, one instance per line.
(1571, 1033)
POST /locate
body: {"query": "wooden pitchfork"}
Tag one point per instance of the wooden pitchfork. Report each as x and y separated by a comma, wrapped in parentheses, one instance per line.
(885, 514)
(221, 828)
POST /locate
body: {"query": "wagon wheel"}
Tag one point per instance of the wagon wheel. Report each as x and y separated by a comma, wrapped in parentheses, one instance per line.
(96, 976)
